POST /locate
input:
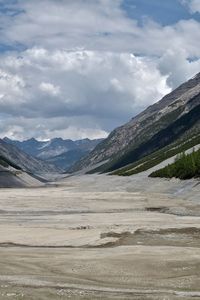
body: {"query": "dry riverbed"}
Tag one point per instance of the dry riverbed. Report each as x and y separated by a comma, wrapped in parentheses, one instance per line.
(101, 237)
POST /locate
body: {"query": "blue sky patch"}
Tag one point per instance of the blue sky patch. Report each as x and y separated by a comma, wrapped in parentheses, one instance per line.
(165, 12)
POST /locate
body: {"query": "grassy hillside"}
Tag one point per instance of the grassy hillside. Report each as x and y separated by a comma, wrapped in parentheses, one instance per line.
(185, 167)
(188, 141)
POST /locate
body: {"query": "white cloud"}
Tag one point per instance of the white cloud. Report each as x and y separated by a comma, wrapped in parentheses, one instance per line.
(178, 68)
(11, 88)
(79, 75)
(194, 5)
(104, 88)
(49, 89)
(75, 133)
(65, 23)
(44, 129)
(97, 25)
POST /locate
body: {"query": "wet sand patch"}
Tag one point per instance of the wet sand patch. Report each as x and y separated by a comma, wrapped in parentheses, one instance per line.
(177, 211)
(179, 237)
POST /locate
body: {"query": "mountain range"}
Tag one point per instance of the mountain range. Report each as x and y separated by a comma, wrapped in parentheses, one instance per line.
(164, 129)
(57, 152)
(32, 163)
(21, 160)
(169, 123)
(18, 169)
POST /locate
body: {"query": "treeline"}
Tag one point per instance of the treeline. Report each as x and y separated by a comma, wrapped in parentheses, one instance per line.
(157, 157)
(186, 166)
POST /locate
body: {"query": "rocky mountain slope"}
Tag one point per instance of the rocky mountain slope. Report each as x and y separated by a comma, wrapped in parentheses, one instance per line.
(59, 152)
(176, 116)
(67, 159)
(10, 155)
(14, 178)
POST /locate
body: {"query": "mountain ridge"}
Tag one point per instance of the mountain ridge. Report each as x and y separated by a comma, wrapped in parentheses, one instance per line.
(56, 150)
(145, 125)
(23, 161)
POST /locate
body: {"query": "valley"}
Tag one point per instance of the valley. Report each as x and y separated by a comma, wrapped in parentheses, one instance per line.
(101, 237)
(72, 228)
(59, 153)
(100, 150)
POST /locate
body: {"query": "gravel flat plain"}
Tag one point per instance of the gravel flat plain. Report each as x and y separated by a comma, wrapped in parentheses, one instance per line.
(101, 237)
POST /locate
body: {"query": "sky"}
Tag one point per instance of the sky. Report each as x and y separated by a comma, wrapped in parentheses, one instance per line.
(79, 68)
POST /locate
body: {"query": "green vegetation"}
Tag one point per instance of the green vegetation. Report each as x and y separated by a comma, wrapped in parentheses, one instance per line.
(184, 167)
(144, 135)
(167, 136)
(160, 140)
(157, 157)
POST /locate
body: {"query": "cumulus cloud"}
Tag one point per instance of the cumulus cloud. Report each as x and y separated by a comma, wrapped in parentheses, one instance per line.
(21, 128)
(93, 25)
(194, 5)
(11, 88)
(49, 89)
(103, 87)
(64, 23)
(178, 67)
(76, 73)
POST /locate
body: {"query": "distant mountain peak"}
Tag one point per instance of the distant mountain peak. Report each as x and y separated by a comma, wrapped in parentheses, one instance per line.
(58, 139)
(23, 160)
(58, 151)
